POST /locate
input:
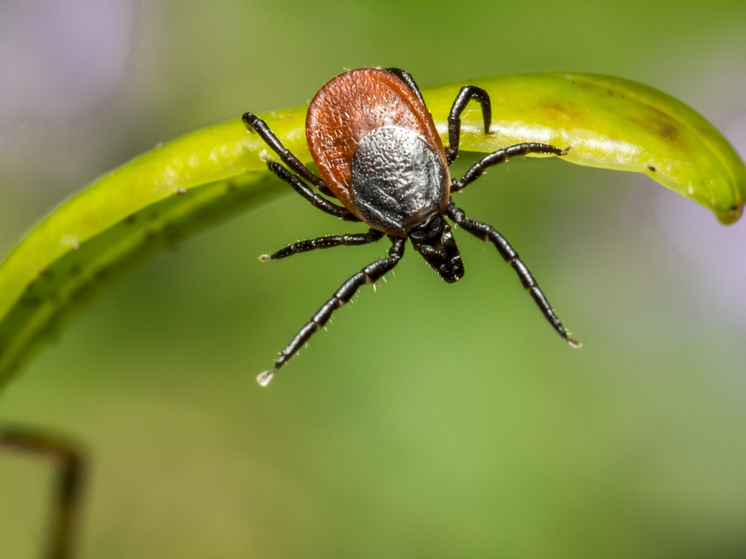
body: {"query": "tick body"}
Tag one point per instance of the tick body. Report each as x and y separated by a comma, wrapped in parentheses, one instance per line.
(379, 155)
(378, 151)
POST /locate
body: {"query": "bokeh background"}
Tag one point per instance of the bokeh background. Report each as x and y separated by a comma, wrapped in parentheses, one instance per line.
(431, 420)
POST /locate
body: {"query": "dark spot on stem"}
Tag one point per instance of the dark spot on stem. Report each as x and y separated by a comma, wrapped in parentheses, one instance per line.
(668, 131)
(562, 110)
(651, 168)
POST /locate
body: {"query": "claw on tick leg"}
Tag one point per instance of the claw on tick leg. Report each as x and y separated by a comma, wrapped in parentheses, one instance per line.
(264, 378)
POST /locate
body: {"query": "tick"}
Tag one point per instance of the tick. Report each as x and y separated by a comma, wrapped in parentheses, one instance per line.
(378, 153)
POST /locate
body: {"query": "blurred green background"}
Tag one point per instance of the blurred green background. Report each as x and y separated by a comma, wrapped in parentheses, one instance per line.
(431, 420)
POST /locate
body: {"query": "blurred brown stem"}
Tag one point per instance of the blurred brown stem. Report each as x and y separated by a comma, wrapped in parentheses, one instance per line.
(70, 464)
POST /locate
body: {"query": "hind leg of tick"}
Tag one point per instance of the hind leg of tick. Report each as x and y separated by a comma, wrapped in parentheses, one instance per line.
(407, 78)
(467, 93)
(256, 124)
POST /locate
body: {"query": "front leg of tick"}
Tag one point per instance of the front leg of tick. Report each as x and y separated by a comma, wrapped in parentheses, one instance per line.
(489, 233)
(369, 274)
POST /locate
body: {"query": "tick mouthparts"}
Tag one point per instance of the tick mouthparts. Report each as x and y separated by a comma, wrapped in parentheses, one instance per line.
(264, 378)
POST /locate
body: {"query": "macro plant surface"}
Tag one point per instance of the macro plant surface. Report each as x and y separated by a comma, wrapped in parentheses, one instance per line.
(205, 177)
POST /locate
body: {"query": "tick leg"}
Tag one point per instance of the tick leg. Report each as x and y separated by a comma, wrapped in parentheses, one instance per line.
(303, 189)
(70, 464)
(407, 78)
(501, 156)
(487, 232)
(369, 274)
(325, 242)
(260, 127)
(467, 93)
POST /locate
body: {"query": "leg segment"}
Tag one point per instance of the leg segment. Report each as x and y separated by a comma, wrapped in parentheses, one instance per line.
(70, 463)
(467, 93)
(301, 188)
(407, 78)
(487, 232)
(501, 156)
(253, 122)
(325, 242)
(369, 274)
